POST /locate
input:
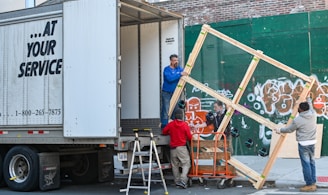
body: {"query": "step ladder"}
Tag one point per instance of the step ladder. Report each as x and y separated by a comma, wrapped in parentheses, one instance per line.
(138, 153)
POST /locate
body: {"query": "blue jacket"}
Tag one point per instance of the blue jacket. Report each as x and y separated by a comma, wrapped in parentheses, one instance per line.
(171, 78)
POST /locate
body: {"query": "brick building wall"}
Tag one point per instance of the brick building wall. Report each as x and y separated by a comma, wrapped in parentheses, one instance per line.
(209, 11)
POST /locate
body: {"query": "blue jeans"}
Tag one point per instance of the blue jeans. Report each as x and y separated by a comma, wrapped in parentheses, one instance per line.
(166, 98)
(308, 163)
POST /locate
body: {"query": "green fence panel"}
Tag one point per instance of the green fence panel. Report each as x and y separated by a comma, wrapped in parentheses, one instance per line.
(297, 40)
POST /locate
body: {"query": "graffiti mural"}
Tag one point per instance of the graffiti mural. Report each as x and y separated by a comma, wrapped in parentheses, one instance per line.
(197, 109)
(273, 99)
(278, 96)
(196, 116)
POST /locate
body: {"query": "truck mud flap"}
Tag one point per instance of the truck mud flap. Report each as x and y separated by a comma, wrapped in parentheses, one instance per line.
(105, 165)
(49, 173)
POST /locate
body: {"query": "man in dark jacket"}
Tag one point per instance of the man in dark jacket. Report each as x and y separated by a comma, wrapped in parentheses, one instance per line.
(179, 132)
(216, 118)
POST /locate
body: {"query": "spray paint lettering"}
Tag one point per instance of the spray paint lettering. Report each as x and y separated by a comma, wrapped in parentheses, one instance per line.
(225, 92)
(197, 108)
(278, 96)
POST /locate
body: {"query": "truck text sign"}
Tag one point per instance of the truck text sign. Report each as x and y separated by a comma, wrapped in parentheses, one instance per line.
(31, 72)
(42, 48)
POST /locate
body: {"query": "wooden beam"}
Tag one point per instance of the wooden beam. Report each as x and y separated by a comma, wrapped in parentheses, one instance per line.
(251, 174)
(239, 173)
(259, 55)
(251, 68)
(188, 67)
(257, 179)
(227, 101)
(282, 138)
(245, 171)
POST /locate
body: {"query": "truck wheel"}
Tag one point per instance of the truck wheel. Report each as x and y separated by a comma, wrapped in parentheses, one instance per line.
(21, 169)
(85, 170)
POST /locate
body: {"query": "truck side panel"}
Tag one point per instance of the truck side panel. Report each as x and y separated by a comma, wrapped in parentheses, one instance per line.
(31, 81)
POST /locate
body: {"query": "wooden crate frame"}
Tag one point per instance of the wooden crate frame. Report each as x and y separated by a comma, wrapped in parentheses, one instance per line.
(255, 178)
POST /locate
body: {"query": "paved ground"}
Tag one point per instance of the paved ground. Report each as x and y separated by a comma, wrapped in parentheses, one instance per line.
(286, 172)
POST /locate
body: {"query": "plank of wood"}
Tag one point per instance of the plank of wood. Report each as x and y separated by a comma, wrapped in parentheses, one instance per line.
(239, 173)
(259, 55)
(188, 67)
(249, 173)
(241, 89)
(210, 155)
(209, 143)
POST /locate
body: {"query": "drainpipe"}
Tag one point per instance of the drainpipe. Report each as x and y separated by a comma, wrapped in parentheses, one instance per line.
(29, 3)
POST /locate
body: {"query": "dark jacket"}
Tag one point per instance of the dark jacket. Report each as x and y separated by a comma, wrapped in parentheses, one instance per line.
(216, 119)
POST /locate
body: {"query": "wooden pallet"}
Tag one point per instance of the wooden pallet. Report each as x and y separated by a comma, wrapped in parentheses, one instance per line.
(254, 177)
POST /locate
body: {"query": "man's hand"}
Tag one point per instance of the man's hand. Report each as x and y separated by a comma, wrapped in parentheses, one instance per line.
(184, 74)
(277, 130)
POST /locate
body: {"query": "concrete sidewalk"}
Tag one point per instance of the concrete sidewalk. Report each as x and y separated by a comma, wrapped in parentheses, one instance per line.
(285, 172)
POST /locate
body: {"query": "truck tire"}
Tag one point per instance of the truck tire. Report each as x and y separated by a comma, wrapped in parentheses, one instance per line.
(21, 169)
(86, 169)
(2, 182)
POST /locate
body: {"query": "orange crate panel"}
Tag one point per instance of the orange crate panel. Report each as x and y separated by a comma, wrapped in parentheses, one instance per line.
(209, 143)
(210, 155)
(208, 169)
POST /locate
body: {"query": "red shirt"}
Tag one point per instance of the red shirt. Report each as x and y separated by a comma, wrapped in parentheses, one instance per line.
(179, 132)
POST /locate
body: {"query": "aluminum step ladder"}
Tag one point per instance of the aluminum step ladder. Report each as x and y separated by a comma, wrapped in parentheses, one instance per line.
(138, 153)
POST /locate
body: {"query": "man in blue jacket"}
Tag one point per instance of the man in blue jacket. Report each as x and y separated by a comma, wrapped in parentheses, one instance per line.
(171, 76)
(305, 125)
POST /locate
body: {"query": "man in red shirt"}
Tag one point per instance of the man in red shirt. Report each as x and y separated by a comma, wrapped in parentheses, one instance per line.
(179, 132)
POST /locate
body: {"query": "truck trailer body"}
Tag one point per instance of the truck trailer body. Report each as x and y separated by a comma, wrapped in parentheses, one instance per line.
(76, 78)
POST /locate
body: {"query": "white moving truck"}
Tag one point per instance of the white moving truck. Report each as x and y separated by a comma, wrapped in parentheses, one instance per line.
(75, 78)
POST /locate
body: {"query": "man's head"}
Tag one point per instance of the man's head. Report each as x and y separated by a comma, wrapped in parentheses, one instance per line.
(304, 106)
(179, 114)
(218, 106)
(174, 60)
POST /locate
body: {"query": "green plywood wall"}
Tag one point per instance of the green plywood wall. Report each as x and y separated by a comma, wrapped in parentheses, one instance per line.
(297, 40)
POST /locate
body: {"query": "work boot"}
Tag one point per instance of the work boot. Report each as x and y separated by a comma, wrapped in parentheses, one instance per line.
(182, 184)
(309, 188)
